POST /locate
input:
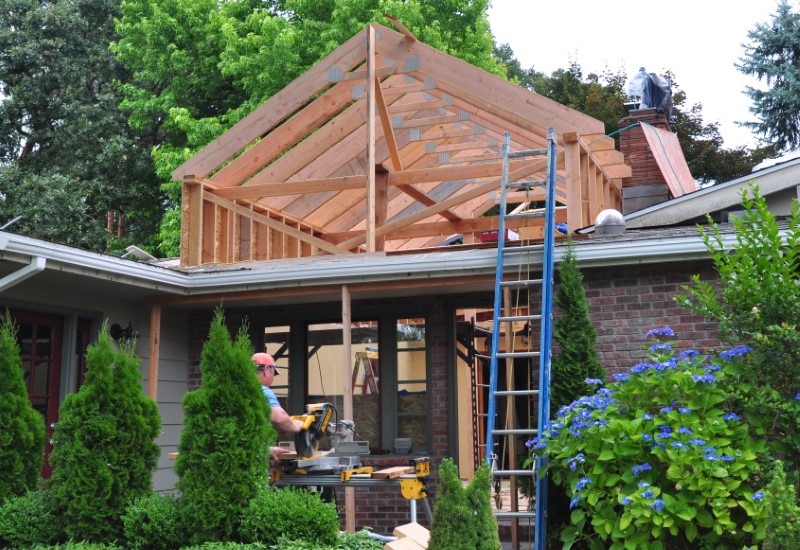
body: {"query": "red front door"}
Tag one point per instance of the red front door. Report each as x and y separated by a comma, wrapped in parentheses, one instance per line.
(39, 337)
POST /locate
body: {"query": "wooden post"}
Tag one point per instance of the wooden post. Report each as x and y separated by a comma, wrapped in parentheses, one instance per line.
(572, 170)
(371, 139)
(511, 417)
(349, 492)
(155, 346)
(191, 222)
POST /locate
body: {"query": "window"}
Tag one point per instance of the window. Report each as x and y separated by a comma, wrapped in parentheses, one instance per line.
(387, 369)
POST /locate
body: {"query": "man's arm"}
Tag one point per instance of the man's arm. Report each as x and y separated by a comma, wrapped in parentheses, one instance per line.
(283, 422)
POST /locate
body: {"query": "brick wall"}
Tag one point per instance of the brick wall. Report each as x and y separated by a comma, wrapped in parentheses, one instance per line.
(625, 303)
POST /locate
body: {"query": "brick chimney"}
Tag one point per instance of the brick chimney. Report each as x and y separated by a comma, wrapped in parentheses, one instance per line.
(646, 186)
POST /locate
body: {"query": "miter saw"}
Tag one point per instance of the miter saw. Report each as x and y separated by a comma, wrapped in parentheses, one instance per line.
(321, 419)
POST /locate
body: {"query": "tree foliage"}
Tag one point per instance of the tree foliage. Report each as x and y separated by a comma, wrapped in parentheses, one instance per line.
(772, 55)
(224, 448)
(23, 430)
(67, 156)
(104, 449)
(199, 66)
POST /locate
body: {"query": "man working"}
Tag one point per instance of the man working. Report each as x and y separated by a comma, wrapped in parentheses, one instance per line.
(266, 371)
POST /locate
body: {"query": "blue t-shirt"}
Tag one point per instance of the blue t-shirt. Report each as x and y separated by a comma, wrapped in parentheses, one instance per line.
(271, 399)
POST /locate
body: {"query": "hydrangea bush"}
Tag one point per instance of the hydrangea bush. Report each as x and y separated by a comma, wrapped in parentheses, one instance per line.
(658, 458)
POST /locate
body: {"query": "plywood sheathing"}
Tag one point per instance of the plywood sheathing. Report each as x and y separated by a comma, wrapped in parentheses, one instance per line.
(390, 150)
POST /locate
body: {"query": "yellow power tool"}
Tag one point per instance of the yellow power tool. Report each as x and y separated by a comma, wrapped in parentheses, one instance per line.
(318, 421)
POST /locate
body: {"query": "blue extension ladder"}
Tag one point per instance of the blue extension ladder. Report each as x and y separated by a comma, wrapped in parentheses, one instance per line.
(545, 284)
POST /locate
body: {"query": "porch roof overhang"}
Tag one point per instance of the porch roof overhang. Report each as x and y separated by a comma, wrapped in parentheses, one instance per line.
(440, 272)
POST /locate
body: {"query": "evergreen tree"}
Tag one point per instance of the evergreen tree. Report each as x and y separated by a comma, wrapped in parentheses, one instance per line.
(104, 449)
(780, 499)
(23, 431)
(479, 499)
(772, 55)
(224, 450)
(575, 334)
(453, 526)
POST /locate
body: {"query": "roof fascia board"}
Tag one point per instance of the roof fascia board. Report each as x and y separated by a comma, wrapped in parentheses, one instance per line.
(91, 264)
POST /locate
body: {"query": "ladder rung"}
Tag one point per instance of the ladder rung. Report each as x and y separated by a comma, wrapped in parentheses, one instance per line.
(527, 153)
(482, 356)
(525, 184)
(502, 473)
(517, 354)
(482, 385)
(524, 216)
(513, 318)
(517, 392)
(530, 282)
(517, 431)
(515, 515)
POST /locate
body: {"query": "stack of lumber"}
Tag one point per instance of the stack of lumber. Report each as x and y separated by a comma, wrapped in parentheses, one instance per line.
(411, 536)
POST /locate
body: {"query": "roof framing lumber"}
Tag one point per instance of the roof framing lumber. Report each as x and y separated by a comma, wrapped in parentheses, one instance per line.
(272, 111)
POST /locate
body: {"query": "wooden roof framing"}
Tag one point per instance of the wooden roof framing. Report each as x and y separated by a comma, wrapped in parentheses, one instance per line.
(385, 144)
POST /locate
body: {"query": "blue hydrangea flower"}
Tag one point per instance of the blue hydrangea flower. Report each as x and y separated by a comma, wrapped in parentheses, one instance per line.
(574, 502)
(637, 469)
(732, 416)
(647, 437)
(575, 460)
(595, 381)
(698, 442)
(689, 353)
(684, 410)
(621, 376)
(582, 483)
(758, 496)
(684, 430)
(626, 500)
(797, 397)
(712, 368)
(647, 416)
(658, 504)
(734, 353)
(643, 484)
(677, 444)
(640, 368)
(706, 378)
(666, 410)
(728, 458)
(648, 493)
(710, 456)
(664, 331)
(660, 347)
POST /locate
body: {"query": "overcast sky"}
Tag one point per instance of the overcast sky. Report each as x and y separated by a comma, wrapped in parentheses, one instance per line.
(698, 40)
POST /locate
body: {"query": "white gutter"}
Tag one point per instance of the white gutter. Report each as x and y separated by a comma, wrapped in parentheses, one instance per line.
(37, 265)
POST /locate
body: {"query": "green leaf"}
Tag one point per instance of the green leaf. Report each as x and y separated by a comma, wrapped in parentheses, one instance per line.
(607, 455)
(625, 521)
(690, 531)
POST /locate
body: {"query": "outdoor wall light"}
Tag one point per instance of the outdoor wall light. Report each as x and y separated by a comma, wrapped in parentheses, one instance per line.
(118, 332)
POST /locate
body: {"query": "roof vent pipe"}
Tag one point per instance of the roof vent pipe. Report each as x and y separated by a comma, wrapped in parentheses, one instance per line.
(609, 222)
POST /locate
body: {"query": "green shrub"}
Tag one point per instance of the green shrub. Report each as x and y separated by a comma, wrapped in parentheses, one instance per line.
(29, 519)
(224, 449)
(757, 301)
(228, 546)
(78, 546)
(295, 514)
(658, 458)
(104, 449)
(345, 541)
(479, 500)
(153, 523)
(22, 427)
(783, 515)
(453, 526)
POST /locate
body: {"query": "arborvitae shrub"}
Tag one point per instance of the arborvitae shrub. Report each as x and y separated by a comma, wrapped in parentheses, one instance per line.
(295, 514)
(479, 499)
(22, 434)
(104, 449)
(29, 519)
(453, 526)
(575, 334)
(152, 522)
(783, 514)
(223, 455)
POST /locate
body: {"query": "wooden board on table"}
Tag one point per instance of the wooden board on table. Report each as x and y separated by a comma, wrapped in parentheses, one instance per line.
(391, 473)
